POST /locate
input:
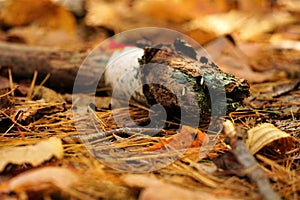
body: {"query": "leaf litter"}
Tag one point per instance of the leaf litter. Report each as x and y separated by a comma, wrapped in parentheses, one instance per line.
(79, 175)
(189, 171)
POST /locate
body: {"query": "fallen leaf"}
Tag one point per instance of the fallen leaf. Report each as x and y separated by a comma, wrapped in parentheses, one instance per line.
(248, 26)
(258, 25)
(44, 13)
(173, 11)
(39, 23)
(106, 13)
(227, 161)
(43, 36)
(187, 138)
(32, 154)
(34, 112)
(233, 61)
(77, 7)
(220, 23)
(291, 5)
(179, 11)
(155, 189)
(47, 94)
(267, 134)
(39, 179)
(279, 41)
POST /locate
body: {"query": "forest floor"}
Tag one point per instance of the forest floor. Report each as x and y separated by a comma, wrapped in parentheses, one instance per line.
(256, 155)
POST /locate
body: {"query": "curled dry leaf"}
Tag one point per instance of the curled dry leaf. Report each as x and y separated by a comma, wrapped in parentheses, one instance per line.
(266, 134)
(60, 177)
(33, 154)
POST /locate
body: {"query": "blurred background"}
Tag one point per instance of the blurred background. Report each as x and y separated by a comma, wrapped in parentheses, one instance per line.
(255, 39)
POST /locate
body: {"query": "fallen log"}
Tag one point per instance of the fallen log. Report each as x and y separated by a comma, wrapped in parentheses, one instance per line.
(23, 60)
(202, 75)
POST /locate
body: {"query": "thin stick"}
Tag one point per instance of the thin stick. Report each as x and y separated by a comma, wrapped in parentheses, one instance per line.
(9, 92)
(32, 85)
(96, 136)
(11, 83)
(13, 121)
(97, 118)
(45, 79)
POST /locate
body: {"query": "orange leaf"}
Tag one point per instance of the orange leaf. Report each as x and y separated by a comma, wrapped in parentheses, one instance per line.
(45, 13)
(185, 139)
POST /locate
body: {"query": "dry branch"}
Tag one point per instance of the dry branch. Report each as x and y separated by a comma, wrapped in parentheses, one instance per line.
(23, 61)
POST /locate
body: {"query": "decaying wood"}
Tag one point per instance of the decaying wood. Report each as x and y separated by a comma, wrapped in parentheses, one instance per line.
(191, 81)
(23, 60)
(203, 75)
(198, 85)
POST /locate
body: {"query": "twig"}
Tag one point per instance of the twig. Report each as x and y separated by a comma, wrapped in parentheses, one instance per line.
(32, 85)
(15, 122)
(9, 92)
(11, 83)
(100, 135)
(45, 79)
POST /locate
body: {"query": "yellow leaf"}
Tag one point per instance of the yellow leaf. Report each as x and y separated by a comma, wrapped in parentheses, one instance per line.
(265, 134)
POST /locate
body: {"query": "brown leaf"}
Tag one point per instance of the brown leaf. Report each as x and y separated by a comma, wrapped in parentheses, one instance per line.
(179, 11)
(233, 61)
(39, 178)
(182, 140)
(247, 26)
(227, 161)
(266, 134)
(291, 5)
(45, 13)
(155, 189)
(47, 94)
(33, 154)
(39, 23)
(42, 36)
(106, 13)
